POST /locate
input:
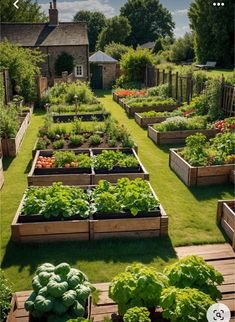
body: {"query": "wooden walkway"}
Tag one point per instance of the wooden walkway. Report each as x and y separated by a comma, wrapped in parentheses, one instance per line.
(220, 256)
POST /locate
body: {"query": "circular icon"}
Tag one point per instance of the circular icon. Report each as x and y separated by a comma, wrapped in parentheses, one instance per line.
(222, 3)
(214, 4)
(218, 312)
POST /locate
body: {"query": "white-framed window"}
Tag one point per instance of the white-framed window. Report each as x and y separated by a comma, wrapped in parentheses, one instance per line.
(79, 71)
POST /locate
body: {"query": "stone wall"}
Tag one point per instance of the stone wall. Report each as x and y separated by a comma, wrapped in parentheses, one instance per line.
(109, 74)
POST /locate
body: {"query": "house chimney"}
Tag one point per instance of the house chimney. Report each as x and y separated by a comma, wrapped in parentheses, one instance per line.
(53, 14)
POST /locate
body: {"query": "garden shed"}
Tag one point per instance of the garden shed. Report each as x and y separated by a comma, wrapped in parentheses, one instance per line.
(103, 70)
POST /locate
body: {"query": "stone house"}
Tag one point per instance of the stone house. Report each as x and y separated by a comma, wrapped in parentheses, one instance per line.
(53, 38)
(103, 70)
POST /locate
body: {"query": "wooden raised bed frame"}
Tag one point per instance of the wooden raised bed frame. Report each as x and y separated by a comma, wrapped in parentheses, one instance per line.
(198, 176)
(1, 174)
(176, 137)
(48, 230)
(113, 177)
(67, 179)
(10, 147)
(158, 108)
(89, 229)
(226, 217)
(145, 121)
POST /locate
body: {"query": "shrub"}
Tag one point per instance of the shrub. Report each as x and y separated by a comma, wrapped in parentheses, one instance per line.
(178, 123)
(59, 293)
(134, 62)
(139, 285)
(59, 144)
(5, 296)
(23, 64)
(161, 90)
(186, 304)
(64, 63)
(9, 122)
(81, 90)
(137, 314)
(95, 140)
(194, 272)
(77, 140)
(116, 50)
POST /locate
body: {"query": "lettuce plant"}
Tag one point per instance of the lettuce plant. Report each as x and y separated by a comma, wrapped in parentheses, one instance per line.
(137, 314)
(186, 304)
(59, 293)
(194, 272)
(139, 286)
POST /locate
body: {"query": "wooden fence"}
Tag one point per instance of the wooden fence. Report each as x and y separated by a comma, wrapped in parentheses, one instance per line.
(41, 85)
(182, 87)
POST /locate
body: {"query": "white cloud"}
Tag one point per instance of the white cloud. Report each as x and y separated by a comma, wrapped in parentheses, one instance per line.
(180, 31)
(180, 12)
(68, 9)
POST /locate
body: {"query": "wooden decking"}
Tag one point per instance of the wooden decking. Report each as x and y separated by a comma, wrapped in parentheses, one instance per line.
(221, 256)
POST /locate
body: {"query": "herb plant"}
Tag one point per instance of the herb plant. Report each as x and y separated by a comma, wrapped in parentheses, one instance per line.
(109, 159)
(59, 144)
(178, 123)
(5, 296)
(187, 304)
(95, 140)
(139, 285)
(59, 293)
(137, 314)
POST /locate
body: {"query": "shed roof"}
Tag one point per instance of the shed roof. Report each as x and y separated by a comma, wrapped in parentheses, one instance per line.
(44, 34)
(100, 57)
(148, 45)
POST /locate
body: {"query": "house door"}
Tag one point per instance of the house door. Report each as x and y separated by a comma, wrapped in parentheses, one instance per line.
(96, 77)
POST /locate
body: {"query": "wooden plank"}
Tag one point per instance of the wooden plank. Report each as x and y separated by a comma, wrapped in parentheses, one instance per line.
(1, 174)
(128, 234)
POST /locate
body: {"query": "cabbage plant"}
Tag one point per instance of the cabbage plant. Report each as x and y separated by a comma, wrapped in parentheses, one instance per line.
(59, 293)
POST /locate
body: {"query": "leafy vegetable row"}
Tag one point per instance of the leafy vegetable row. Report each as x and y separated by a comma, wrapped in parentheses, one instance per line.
(62, 201)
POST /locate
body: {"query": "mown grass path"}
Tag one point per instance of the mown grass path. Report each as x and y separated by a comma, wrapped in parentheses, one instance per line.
(191, 212)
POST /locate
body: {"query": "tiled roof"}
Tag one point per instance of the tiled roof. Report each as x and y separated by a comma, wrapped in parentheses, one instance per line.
(100, 57)
(43, 34)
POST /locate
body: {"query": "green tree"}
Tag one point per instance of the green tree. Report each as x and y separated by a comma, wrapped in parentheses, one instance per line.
(134, 62)
(116, 50)
(213, 31)
(29, 11)
(149, 20)
(23, 66)
(117, 30)
(64, 63)
(182, 49)
(96, 21)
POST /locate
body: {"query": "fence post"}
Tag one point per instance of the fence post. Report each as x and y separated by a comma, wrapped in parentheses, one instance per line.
(176, 84)
(157, 77)
(170, 83)
(181, 89)
(222, 92)
(163, 76)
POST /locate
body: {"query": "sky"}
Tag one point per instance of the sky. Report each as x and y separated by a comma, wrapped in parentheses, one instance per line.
(110, 8)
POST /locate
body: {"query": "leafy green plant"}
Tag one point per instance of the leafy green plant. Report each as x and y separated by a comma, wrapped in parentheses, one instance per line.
(127, 195)
(5, 296)
(41, 144)
(9, 122)
(139, 285)
(137, 314)
(95, 140)
(193, 271)
(195, 151)
(77, 140)
(161, 90)
(185, 304)
(59, 144)
(62, 158)
(150, 101)
(177, 123)
(64, 62)
(56, 201)
(109, 159)
(59, 293)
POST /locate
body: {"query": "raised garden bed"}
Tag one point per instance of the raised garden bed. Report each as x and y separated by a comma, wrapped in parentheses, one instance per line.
(199, 176)
(88, 117)
(131, 110)
(175, 137)
(1, 174)
(116, 98)
(44, 231)
(68, 176)
(232, 176)
(226, 217)
(145, 121)
(117, 172)
(10, 147)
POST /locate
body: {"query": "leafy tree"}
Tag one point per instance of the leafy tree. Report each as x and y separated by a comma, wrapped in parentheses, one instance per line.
(117, 30)
(213, 31)
(96, 21)
(133, 64)
(182, 48)
(149, 20)
(29, 11)
(116, 50)
(64, 63)
(23, 64)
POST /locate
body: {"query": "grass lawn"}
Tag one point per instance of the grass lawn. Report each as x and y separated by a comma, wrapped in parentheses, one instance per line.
(192, 215)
